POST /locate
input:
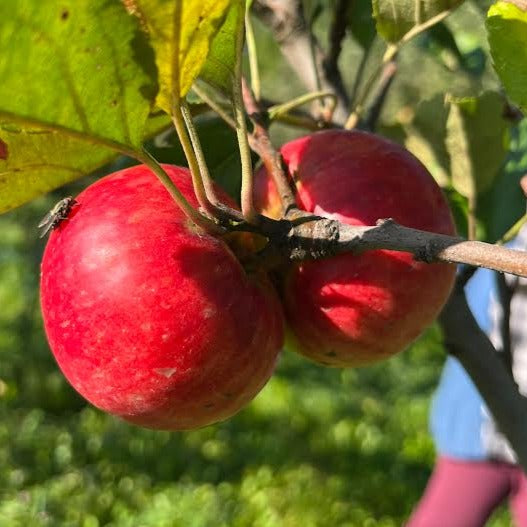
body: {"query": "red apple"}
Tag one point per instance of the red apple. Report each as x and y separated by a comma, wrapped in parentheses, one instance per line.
(352, 310)
(149, 317)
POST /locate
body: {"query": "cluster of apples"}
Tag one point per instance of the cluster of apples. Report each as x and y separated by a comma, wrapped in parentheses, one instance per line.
(153, 320)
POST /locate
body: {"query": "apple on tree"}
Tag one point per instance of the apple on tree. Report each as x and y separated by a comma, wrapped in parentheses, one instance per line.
(355, 309)
(154, 320)
(149, 317)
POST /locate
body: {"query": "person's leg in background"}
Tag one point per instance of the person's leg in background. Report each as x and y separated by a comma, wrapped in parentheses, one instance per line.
(518, 499)
(462, 494)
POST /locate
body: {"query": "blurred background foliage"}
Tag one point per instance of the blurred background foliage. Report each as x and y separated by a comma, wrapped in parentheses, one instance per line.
(318, 446)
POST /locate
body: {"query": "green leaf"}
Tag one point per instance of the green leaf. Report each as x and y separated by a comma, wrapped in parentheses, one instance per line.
(361, 23)
(221, 62)
(395, 18)
(78, 80)
(39, 160)
(426, 137)
(507, 32)
(181, 32)
(477, 142)
(504, 203)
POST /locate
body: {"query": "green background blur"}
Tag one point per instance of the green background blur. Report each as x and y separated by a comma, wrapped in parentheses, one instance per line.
(318, 447)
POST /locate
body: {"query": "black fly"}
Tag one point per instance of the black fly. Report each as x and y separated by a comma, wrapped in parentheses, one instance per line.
(57, 214)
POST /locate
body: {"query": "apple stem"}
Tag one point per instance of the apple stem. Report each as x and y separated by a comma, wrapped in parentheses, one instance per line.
(247, 202)
(218, 209)
(203, 169)
(197, 180)
(182, 125)
(199, 219)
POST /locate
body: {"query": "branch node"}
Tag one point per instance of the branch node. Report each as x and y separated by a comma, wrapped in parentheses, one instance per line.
(385, 223)
(317, 240)
(426, 253)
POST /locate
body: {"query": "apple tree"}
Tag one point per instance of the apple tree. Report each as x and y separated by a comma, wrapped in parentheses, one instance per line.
(167, 292)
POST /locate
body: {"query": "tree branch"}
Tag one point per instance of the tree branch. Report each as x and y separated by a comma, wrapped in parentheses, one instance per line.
(337, 32)
(304, 236)
(261, 144)
(299, 46)
(311, 237)
(465, 340)
(385, 81)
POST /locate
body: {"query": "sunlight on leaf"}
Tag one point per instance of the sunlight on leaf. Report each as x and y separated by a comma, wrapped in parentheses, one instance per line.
(477, 141)
(181, 33)
(395, 18)
(425, 137)
(507, 31)
(78, 81)
(219, 67)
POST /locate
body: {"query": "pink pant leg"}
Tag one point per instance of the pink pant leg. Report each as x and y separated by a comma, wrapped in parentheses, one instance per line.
(462, 494)
(518, 499)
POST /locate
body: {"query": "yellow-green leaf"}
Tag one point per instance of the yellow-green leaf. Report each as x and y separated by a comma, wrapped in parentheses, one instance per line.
(219, 69)
(77, 84)
(507, 31)
(181, 32)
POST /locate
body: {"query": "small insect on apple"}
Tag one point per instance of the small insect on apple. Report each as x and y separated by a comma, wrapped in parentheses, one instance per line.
(56, 215)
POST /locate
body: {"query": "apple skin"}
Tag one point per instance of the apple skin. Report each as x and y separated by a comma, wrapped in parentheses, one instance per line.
(150, 318)
(352, 310)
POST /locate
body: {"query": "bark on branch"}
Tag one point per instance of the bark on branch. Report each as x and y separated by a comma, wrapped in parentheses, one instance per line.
(430, 247)
(312, 237)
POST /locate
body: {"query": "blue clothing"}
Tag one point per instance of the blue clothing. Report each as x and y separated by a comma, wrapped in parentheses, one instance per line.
(458, 412)
(460, 422)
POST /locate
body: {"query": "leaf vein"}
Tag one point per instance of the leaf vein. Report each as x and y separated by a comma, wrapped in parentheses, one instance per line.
(35, 166)
(70, 132)
(65, 68)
